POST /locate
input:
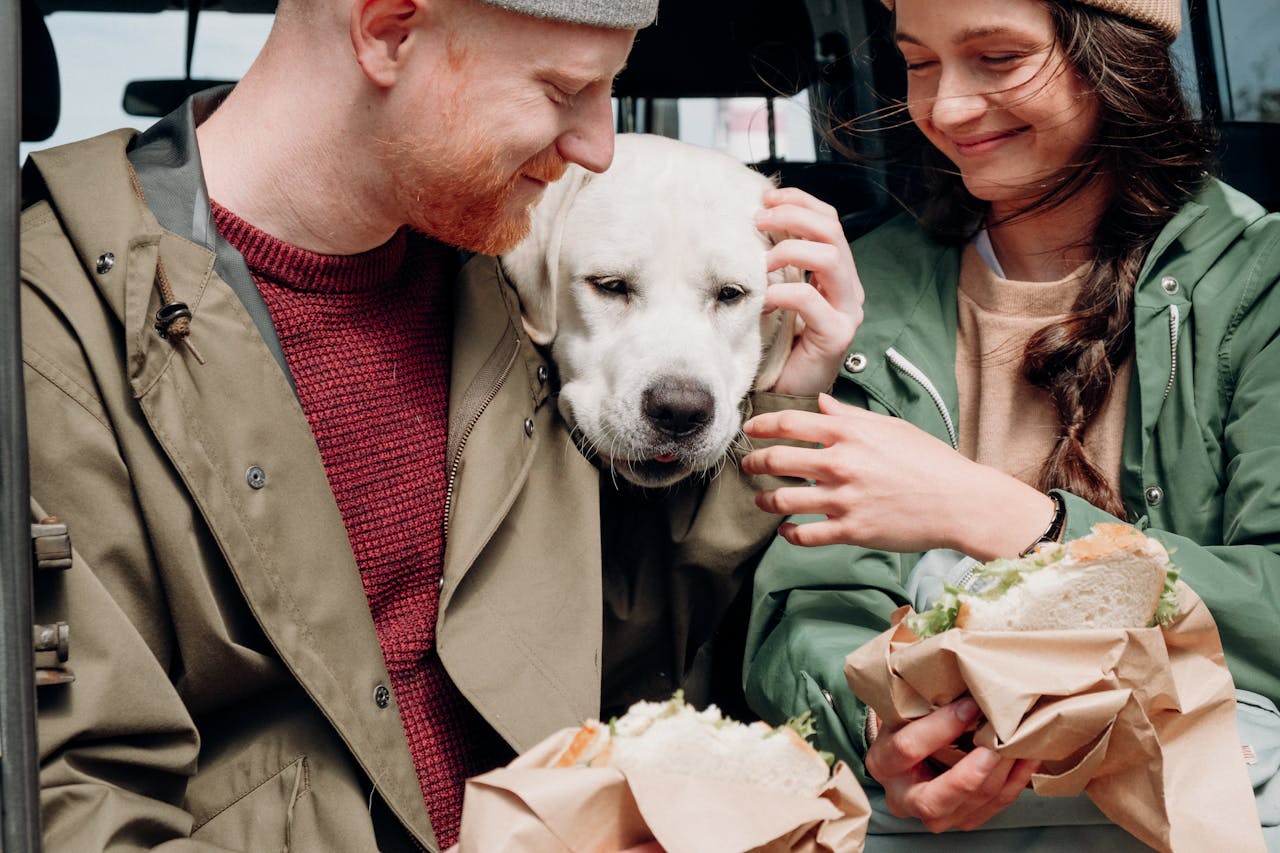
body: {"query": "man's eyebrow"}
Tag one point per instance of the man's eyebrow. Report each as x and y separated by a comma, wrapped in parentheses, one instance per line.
(963, 36)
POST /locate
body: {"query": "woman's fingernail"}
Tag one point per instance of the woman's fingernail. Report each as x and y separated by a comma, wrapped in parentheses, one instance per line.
(966, 710)
(987, 760)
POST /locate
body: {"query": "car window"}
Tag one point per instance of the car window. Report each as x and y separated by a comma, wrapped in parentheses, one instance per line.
(1248, 41)
(100, 52)
(1184, 55)
(740, 126)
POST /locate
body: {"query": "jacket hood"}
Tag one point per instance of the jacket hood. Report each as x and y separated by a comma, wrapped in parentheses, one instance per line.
(77, 180)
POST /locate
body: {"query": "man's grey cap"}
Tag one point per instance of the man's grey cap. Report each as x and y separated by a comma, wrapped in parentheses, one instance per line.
(616, 14)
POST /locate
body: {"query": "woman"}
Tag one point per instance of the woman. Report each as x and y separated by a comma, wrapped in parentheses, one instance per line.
(1081, 326)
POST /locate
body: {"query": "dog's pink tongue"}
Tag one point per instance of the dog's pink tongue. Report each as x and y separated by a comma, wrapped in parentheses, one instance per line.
(665, 458)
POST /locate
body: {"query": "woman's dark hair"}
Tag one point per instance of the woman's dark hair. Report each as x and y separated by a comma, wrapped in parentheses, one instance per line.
(1156, 157)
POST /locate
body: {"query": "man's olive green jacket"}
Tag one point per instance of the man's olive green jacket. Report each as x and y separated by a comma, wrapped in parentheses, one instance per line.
(230, 691)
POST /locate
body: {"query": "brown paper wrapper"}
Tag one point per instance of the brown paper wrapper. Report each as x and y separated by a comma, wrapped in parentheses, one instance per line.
(533, 807)
(1142, 720)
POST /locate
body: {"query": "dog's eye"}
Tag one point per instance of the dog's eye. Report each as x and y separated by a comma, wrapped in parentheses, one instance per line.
(730, 293)
(611, 285)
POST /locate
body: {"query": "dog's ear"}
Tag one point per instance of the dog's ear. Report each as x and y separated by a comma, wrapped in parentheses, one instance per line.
(778, 330)
(533, 266)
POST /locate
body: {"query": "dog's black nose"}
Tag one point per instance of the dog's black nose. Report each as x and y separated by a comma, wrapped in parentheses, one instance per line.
(678, 408)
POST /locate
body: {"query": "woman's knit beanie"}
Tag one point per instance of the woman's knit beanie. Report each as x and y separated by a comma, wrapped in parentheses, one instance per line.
(1164, 15)
(615, 14)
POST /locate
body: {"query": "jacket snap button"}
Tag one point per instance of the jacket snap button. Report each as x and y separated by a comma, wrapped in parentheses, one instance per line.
(381, 696)
(1169, 284)
(826, 694)
(1154, 495)
(105, 262)
(528, 426)
(255, 477)
(856, 362)
(542, 374)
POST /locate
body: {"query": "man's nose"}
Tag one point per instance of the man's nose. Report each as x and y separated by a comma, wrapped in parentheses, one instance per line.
(589, 141)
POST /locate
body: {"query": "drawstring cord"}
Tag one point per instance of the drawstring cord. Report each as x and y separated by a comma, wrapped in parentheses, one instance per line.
(173, 320)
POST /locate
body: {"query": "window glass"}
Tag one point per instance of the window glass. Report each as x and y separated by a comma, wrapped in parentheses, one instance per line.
(1250, 34)
(1185, 57)
(740, 126)
(99, 53)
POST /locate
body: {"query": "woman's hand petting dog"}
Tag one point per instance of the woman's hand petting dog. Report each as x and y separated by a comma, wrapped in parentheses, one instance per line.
(886, 484)
(810, 237)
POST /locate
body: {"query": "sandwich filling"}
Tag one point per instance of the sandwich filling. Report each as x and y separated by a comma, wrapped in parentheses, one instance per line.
(1115, 577)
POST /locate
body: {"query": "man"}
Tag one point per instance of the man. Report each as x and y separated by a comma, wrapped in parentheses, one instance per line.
(335, 553)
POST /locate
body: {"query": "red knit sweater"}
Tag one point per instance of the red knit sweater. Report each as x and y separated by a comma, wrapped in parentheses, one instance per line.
(366, 338)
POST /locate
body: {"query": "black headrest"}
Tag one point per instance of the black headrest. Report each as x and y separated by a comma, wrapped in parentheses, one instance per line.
(41, 92)
(722, 48)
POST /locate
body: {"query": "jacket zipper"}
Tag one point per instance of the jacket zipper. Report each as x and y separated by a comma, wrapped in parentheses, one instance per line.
(1173, 349)
(908, 369)
(456, 462)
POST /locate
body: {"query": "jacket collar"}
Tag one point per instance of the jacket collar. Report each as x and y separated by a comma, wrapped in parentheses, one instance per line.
(1194, 239)
(166, 159)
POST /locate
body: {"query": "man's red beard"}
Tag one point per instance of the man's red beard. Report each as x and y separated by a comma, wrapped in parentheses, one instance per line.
(472, 206)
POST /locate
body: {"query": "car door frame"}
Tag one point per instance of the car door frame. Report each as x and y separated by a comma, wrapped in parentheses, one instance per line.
(19, 769)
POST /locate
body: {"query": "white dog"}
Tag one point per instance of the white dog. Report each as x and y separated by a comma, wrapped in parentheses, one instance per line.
(647, 282)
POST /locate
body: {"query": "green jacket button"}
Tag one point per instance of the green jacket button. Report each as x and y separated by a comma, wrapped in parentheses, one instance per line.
(1169, 285)
(855, 362)
(1154, 495)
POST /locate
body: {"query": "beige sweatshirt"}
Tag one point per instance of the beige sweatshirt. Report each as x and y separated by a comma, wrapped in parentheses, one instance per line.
(1005, 421)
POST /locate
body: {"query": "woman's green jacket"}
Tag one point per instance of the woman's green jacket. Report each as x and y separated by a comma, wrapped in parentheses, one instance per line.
(1200, 468)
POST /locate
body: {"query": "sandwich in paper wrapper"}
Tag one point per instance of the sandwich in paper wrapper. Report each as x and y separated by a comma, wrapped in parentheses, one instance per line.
(1095, 659)
(694, 781)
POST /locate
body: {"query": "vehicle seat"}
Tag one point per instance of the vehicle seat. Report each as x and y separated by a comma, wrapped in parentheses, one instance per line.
(41, 89)
(750, 48)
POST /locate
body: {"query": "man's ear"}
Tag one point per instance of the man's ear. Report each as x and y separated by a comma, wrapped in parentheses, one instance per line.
(379, 30)
(533, 266)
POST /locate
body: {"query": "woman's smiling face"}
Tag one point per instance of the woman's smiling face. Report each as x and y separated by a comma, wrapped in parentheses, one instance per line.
(989, 85)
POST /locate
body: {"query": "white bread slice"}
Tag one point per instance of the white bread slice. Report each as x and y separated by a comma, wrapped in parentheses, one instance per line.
(672, 737)
(1111, 578)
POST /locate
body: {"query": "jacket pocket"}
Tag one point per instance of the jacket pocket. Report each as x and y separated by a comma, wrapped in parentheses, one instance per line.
(260, 819)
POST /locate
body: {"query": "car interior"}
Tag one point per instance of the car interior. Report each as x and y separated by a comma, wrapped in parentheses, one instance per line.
(769, 50)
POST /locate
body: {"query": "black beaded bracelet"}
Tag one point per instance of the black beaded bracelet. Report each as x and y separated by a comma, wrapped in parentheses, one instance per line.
(1052, 533)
